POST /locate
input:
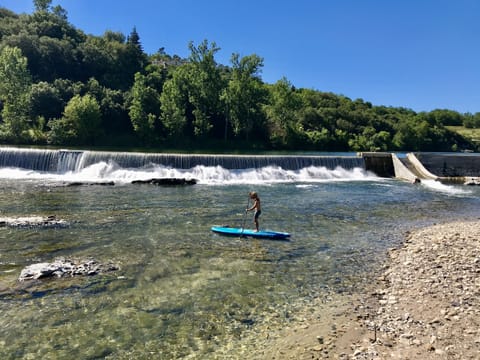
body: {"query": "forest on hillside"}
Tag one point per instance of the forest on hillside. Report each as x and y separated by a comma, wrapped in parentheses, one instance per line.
(60, 86)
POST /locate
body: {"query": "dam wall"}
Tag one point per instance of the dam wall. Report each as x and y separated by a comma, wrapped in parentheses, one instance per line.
(438, 166)
(451, 165)
(62, 161)
(379, 163)
(403, 170)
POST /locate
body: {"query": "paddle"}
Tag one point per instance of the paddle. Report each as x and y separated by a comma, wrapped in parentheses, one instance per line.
(245, 216)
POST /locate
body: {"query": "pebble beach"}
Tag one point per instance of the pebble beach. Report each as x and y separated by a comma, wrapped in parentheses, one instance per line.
(425, 304)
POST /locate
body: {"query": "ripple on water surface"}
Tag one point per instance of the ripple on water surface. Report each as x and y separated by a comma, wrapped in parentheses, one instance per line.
(182, 289)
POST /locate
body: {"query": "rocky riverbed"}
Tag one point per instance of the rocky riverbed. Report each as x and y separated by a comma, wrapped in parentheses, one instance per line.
(424, 305)
(427, 302)
(65, 268)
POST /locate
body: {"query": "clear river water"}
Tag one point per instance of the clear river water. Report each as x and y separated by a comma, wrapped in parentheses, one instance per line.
(182, 291)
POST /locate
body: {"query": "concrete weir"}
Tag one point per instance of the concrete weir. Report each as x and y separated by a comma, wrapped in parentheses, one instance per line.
(446, 168)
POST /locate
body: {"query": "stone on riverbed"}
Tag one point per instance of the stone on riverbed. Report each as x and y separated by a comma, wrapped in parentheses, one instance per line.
(65, 268)
(87, 183)
(33, 221)
(166, 181)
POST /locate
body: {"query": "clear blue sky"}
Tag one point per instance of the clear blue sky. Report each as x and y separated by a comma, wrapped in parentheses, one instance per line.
(418, 54)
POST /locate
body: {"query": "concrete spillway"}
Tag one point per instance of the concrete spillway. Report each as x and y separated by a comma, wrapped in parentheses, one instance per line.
(446, 168)
(414, 167)
(61, 161)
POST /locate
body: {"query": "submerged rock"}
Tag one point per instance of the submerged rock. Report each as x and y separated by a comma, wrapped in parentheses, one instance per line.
(33, 221)
(166, 181)
(472, 181)
(65, 268)
(86, 183)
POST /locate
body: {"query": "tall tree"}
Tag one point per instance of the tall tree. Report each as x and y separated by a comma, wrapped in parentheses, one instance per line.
(191, 98)
(133, 59)
(175, 105)
(205, 88)
(42, 5)
(15, 88)
(144, 109)
(244, 95)
(281, 111)
(134, 39)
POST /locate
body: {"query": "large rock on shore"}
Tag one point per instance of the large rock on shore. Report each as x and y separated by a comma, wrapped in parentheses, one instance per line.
(64, 268)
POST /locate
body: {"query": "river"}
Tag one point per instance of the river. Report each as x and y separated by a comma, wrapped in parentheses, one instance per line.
(181, 290)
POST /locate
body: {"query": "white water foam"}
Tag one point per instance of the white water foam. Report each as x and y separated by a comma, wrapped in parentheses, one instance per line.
(446, 189)
(103, 171)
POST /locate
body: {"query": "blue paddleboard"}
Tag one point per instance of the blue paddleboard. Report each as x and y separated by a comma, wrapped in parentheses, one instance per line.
(265, 234)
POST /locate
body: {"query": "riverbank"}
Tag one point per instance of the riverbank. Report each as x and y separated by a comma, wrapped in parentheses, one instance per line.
(425, 305)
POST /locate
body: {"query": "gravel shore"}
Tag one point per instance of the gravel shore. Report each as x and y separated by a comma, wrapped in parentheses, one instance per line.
(427, 303)
(424, 305)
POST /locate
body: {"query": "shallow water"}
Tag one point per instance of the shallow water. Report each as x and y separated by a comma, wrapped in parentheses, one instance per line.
(182, 290)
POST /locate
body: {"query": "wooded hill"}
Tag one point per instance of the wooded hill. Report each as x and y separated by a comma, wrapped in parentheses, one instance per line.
(61, 86)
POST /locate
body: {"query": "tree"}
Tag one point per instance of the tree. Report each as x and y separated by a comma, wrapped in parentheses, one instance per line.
(191, 98)
(205, 88)
(174, 103)
(134, 39)
(80, 123)
(371, 140)
(244, 95)
(282, 112)
(132, 59)
(42, 5)
(97, 58)
(15, 87)
(144, 109)
(46, 101)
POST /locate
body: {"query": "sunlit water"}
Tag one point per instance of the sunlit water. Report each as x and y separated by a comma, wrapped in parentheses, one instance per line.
(182, 290)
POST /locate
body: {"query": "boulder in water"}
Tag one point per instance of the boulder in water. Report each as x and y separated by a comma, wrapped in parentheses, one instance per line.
(472, 181)
(86, 183)
(166, 181)
(65, 268)
(33, 221)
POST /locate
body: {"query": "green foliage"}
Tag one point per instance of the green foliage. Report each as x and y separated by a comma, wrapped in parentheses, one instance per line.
(472, 121)
(80, 124)
(84, 89)
(245, 96)
(46, 101)
(444, 117)
(473, 134)
(281, 111)
(174, 103)
(205, 87)
(15, 87)
(190, 100)
(42, 5)
(370, 140)
(144, 109)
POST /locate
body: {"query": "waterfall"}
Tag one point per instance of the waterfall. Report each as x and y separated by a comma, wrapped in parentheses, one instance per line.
(69, 160)
(188, 161)
(61, 161)
(32, 159)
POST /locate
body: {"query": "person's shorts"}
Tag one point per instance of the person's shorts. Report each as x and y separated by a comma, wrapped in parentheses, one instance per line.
(257, 214)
